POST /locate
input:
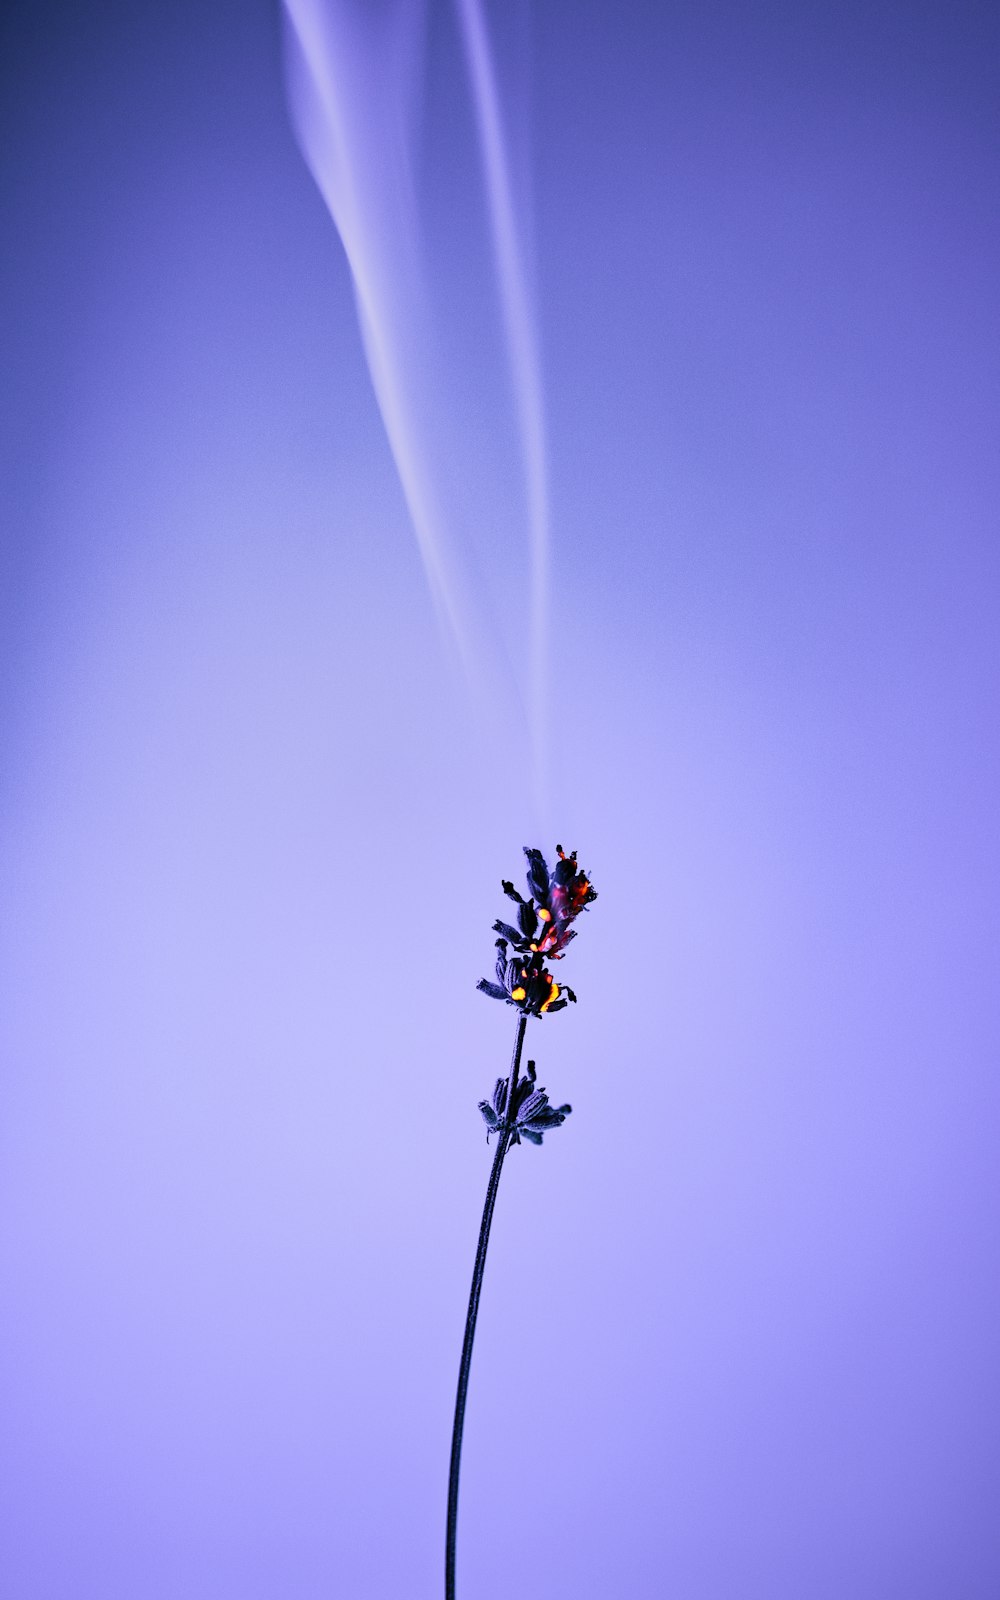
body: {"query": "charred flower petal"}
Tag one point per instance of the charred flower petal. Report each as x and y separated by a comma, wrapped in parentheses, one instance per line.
(538, 874)
(502, 962)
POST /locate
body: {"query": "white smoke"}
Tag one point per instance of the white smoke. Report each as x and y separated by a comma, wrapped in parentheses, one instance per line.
(356, 77)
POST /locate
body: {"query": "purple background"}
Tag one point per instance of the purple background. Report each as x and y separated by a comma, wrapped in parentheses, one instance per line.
(740, 1323)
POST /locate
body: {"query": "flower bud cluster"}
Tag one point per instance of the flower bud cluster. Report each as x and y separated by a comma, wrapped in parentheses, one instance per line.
(542, 933)
(532, 1114)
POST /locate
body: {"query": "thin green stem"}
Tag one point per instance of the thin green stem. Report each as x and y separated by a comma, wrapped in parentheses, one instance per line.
(503, 1141)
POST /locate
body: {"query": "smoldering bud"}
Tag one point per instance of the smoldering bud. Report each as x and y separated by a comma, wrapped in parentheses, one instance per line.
(543, 932)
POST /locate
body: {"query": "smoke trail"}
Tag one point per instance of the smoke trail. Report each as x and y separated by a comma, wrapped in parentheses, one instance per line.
(523, 349)
(335, 97)
(355, 73)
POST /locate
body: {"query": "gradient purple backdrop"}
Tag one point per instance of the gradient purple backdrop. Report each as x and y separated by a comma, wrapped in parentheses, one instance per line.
(740, 1323)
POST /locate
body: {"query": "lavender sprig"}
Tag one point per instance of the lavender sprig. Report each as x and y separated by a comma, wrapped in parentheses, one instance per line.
(518, 1109)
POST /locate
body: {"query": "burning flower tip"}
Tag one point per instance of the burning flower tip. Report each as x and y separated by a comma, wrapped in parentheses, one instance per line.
(555, 901)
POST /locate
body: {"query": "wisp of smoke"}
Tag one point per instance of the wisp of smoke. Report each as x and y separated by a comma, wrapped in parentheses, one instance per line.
(521, 339)
(356, 72)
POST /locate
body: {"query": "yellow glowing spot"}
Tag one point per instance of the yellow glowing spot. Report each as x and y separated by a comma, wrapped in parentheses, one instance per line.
(534, 947)
(552, 995)
(517, 994)
(544, 916)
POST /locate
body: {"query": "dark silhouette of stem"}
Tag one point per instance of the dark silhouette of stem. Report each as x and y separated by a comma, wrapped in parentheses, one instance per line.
(503, 1141)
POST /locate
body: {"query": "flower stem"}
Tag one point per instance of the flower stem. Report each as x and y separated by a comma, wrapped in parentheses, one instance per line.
(503, 1140)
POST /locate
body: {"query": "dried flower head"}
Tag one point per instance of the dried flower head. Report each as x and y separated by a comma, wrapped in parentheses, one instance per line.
(533, 1116)
(524, 982)
(543, 931)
